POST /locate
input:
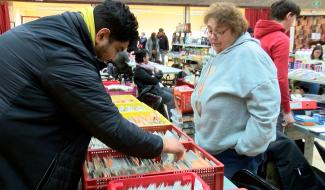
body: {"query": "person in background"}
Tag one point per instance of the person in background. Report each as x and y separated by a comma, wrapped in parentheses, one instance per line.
(236, 100)
(52, 100)
(175, 38)
(123, 71)
(274, 40)
(316, 55)
(152, 46)
(289, 173)
(163, 45)
(147, 78)
(142, 41)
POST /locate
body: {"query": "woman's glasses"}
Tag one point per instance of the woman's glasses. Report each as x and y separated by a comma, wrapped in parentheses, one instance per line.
(216, 34)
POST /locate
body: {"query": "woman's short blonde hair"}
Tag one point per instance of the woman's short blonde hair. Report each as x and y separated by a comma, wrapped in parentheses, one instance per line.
(228, 15)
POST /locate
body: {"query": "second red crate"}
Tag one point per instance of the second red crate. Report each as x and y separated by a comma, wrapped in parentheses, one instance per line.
(212, 175)
(169, 179)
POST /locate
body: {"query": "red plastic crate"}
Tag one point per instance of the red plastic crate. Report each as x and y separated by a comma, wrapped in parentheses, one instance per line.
(181, 82)
(168, 127)
(213, 176)
(168, 179)
(303, 105)
(182, 98)
(110, 82)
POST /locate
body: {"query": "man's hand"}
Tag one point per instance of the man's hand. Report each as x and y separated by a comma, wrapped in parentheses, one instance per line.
(288, 119)
(172, 145)
(156, 70)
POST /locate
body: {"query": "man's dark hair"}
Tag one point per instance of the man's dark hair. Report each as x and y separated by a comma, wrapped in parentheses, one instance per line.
(140, 54)
(117, 17)
(281, 8)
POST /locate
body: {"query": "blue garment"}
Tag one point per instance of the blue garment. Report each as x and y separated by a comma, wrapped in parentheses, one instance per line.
(236, 101)
(312, 88)
(234, 162)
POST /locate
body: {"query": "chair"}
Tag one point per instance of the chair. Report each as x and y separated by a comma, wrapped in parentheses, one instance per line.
(246, 179)
(321, 150)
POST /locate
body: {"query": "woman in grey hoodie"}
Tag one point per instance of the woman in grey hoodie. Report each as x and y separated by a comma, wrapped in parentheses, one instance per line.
(236, 99)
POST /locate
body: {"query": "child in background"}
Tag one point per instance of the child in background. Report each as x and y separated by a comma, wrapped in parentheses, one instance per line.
(317, 54)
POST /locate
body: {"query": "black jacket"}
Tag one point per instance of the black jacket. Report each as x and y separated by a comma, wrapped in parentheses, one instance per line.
(163, 43)
(147, 80)
(293, 169)
(51, 103)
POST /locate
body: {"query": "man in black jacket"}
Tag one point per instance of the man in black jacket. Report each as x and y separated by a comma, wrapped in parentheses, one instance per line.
(163, 45)
(52, 100)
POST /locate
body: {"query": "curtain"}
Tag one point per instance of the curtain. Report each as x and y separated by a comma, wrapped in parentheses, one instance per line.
(4, 17)
(254, 14)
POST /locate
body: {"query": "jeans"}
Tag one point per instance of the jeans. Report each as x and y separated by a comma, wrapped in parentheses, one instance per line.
(312, 88)
(167, 98)
(162, 54)
(234, 162)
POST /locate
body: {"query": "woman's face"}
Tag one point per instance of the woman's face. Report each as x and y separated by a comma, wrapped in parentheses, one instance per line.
(317, 54)
(220, 37)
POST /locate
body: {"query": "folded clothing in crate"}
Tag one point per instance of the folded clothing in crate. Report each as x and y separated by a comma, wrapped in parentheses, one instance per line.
(124, 99)
(116, 89)
(162, 131)
(149, 118)
(186, 181)
(103, 166)
(133, 107)
(169, 131)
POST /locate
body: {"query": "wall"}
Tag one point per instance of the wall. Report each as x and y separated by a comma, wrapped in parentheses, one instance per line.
(306, 4)
(34, 9)
(242, 3)
(151, 18)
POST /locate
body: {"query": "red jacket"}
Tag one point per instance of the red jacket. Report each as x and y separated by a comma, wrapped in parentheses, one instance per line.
(276, 43)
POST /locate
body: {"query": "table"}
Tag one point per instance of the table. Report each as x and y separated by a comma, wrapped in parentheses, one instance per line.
(307, 80)
(308, 130)
(163, 68)
(304, 132)
(166, 69)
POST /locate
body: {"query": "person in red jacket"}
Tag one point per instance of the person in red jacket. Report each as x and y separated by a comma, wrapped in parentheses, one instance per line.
(274, 40)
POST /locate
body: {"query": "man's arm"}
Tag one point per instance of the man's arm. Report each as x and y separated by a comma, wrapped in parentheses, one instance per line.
(76, 87)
